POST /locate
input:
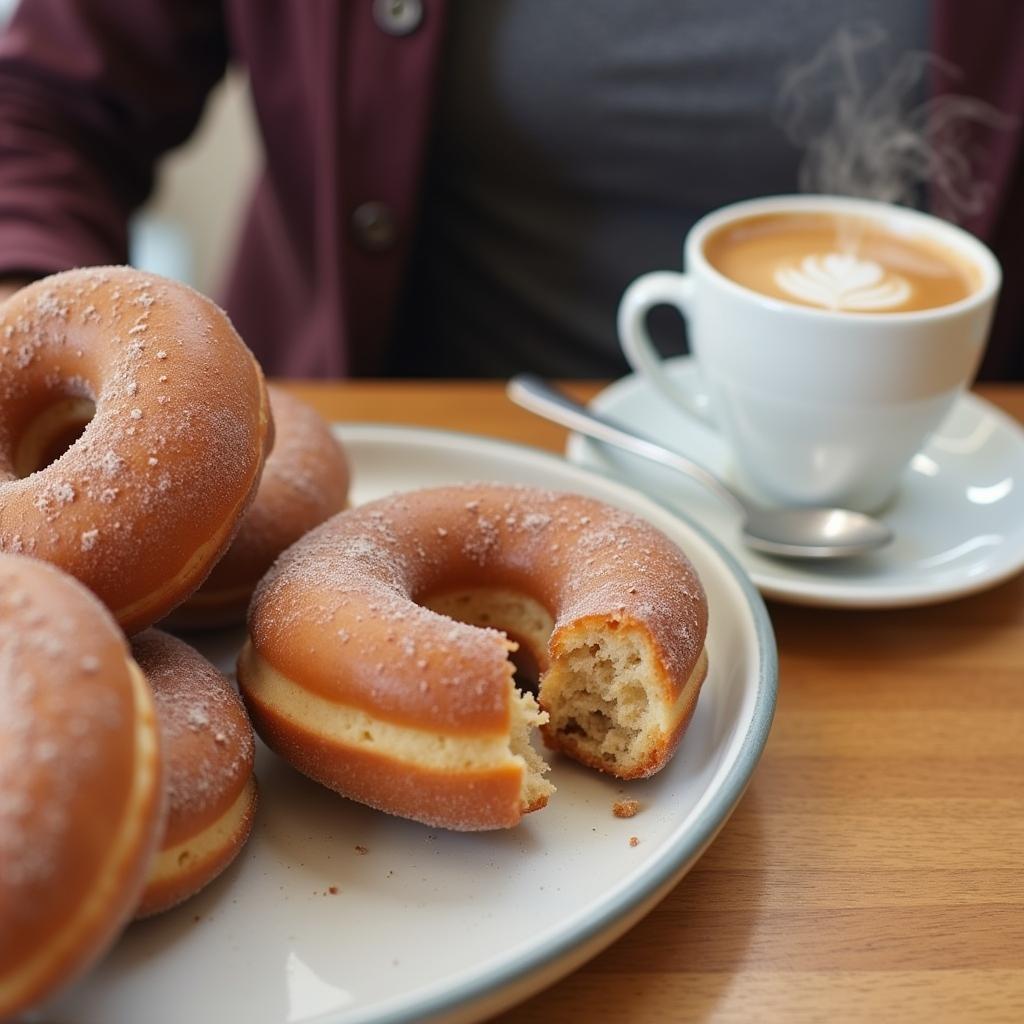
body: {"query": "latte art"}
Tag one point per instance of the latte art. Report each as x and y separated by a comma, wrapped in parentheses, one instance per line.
(843, 264)
(842, 281)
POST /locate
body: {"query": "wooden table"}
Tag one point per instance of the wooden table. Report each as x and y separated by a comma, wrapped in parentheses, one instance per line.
(874, 871)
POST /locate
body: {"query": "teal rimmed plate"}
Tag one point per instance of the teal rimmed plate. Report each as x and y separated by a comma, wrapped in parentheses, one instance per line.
(427, 925)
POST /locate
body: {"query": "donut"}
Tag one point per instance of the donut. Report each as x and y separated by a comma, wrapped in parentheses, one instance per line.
(305, 481)
(133, 427)
(81, 790)
(356, 674)
(208, 751)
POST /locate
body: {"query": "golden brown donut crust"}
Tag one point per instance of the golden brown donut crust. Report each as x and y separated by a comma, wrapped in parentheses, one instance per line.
(354, 679)
(305, 481)
(209, 751)
(145, 501)
(80, 777)
(193, 869)
(387, 784)
(339, 610)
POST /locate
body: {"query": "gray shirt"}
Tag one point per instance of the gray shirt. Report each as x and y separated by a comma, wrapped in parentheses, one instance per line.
(574, 145)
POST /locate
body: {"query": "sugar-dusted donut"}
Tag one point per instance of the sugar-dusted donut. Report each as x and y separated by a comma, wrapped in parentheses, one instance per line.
(174, 424)
(353, 678)
(305, 481)
(81, 794)
(209, 751)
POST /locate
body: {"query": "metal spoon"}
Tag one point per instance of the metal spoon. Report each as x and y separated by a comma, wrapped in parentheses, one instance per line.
(788, 532)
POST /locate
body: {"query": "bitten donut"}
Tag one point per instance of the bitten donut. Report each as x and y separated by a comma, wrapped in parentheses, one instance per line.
(81, 794)
(305, 481)
(208, 750)
(356, 676)
(133, 427)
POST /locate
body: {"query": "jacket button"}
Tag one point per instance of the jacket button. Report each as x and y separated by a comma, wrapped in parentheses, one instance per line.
(374, 226)
(398, 17)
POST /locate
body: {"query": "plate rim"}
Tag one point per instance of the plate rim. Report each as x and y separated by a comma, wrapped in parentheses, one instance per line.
(673, 865)
(825, 593)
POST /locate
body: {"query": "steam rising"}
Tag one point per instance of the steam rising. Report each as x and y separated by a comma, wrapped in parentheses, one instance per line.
(861, 117)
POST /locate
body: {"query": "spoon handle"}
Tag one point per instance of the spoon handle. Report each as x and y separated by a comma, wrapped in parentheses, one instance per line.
(539, 397)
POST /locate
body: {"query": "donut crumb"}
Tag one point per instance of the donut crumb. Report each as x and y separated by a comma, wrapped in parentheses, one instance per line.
(634, 841)
(361, 850)
(625, 808)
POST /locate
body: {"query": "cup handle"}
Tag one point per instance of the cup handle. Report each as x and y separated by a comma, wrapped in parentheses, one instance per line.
(662, 287)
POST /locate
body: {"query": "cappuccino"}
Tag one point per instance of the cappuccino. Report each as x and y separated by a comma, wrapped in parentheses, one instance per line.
(839, 262)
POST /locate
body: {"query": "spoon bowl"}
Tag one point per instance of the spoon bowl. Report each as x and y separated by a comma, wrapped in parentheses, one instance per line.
(810, 533)
(791, 532)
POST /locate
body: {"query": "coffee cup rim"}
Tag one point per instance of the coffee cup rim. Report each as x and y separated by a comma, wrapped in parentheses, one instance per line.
(963, 242)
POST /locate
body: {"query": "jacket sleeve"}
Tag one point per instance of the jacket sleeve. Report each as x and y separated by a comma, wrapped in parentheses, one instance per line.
(92, 92)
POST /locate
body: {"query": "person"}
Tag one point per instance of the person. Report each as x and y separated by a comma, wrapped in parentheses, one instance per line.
(452, 188)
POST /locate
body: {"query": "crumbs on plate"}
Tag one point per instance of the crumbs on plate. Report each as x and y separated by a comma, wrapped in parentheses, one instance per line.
(625, 808)
(634, 841)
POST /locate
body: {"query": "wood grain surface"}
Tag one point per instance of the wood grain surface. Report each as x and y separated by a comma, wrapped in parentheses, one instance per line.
(874, 871)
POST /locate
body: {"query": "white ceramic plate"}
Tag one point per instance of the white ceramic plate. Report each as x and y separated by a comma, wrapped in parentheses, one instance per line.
(427, 924)
(958, 518)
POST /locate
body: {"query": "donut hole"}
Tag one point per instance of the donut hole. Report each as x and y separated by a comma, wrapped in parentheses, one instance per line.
(51, 432)
(524, 620)
(526, 664)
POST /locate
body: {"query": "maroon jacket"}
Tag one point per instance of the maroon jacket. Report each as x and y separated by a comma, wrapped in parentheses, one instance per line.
(92, 93)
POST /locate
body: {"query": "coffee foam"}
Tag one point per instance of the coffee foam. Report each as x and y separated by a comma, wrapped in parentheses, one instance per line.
(843, 281)
(839, 263)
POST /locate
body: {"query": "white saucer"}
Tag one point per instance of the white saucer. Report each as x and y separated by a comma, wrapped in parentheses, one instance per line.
(958, 519)
(336, 914)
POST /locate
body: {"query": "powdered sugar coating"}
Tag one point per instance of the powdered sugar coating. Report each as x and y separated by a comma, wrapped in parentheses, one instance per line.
(361, 574)
(305, 481)
(67, 747)
(207, 739)
(150, 482)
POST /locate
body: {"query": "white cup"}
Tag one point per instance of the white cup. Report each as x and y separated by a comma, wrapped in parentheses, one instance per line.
(818, 407)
